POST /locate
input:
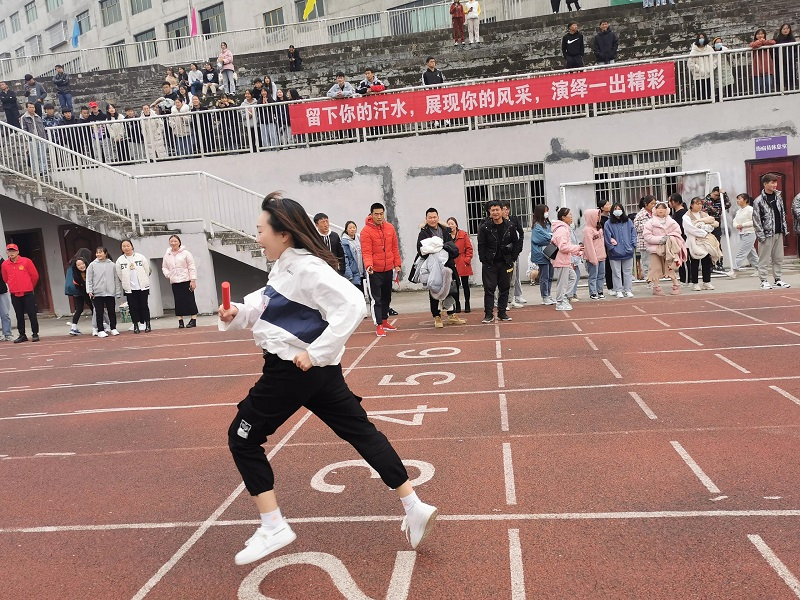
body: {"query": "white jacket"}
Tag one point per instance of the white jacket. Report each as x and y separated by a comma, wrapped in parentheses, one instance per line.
(116, 129)
(433, 274)
(178, 266)
(744, 219)
(306, 305)
(140, 265)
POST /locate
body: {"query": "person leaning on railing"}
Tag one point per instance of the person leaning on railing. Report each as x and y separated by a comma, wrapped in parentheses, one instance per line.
(787, 65)
(701, 65)
(727, 79)
(763, 67)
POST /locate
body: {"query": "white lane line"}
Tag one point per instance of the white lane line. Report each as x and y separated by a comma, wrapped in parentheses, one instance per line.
(508, 472)
(792, 298)
(781, 569)
(497, 330)
(18, 387)
(738, 312)
(97, 411)
(785, 394)
(789, 331)
(36, 414)
(660, 322)
(517, 570)
(54, 454)
(453, 518)
(576, 326)
(179, 554)
(641, 310)
(650, 414)
(611, 368)
(690, 338)
(503, 413)
(590, 342)
(498, 349)
(731, 363)
(501, 380)
(704, 479)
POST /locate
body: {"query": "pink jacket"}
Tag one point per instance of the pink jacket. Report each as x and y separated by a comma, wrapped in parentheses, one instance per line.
(227, 60)
(594, 244)
(654, 230)
(565, 247)
(178, 266)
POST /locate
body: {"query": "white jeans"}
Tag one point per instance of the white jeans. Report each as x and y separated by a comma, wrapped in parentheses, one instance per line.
(473, 25)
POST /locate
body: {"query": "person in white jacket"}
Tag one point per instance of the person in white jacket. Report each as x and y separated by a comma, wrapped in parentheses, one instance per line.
(133, 271)
(178, 266)
(702, 63)
(472, 11)
(743, 221)
(153, 134)
(302, 320)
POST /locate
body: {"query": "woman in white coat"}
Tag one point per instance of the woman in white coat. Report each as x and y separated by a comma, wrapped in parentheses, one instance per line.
(153, 133)
(743, 221)
(178, 267)
(133, 271)
(702, 63)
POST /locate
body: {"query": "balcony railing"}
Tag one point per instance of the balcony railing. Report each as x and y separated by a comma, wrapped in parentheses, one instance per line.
(725, 77)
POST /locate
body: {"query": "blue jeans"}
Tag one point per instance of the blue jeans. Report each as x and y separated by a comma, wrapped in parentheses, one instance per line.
(763, 84)
(65, 101)
(184, 145)
(5, 318)
(545, 277)
(597, 275)
(196, 88)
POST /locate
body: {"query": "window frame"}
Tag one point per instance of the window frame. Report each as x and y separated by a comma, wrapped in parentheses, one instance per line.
(139, 6)
(108, 10)
(279, 12)
(147, 48)
(16, 24)
(31, 12)
(88, 20)
(214, 18)
(317, 13)
(176, 42)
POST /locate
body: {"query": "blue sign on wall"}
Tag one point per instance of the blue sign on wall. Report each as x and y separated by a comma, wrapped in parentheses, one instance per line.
(772, 147)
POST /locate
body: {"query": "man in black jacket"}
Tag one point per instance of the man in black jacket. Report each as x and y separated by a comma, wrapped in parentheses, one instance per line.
(432, 75)
(433, 228)
(605, 44)
(331, 239)
(572, 47)
(497, 243)
(61, 81)
(10, 104)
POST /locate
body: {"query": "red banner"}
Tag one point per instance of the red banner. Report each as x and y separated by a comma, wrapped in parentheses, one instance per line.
(566, 89)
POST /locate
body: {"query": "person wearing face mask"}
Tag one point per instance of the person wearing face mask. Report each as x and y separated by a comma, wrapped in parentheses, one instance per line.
(702, 65)
(541, 234)
(726, 71)
(621, 237)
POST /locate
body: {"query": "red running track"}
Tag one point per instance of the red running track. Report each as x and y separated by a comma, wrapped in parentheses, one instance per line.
(645, 448)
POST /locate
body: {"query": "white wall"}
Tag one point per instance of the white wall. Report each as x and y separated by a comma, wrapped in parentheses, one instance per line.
(339, 179)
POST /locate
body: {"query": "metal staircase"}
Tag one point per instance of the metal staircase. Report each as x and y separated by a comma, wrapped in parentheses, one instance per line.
(77, 188)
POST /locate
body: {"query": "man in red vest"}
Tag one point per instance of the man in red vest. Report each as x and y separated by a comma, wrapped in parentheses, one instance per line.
(21, 276)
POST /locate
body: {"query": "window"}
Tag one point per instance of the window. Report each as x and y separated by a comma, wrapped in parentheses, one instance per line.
(116, 56)
(522, 185)
(30, 12)
(15, 26)
(178, 29)
(84, 24)
(20, 52)
(111, 11)
(146, 45)
(33, 46)
(138, 6)
(212, 19)
(53, 4)
(633, 164)
(273, 18)
(300, 6)
(3, 34)
(57, 34)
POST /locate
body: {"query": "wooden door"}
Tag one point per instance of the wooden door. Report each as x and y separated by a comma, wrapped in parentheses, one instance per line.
(788, 172)
(73, 238)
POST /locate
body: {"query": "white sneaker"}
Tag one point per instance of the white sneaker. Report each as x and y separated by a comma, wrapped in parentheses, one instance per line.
(263, 543)
(765, 285)
(515, 304)
(708, 286)
(780, 284)
(564, 306)
(114, 332)
(619, 294)
(629, 294)
(696, 287)
(132, 326)
(548, 301)
(731, 274)
(94, 331)
(74, 332)
(520, 300)
(102, 334)
(419, 523)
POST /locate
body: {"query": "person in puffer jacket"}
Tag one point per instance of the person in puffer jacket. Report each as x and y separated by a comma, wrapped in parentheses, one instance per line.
(562, 263)
(594, 251)
(620, 235)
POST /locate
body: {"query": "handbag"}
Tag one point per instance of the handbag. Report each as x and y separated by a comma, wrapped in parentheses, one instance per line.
(377, 88)
(412, 274)
(550, 251)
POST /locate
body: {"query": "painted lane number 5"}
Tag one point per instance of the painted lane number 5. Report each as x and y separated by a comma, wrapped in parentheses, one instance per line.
(413, 379)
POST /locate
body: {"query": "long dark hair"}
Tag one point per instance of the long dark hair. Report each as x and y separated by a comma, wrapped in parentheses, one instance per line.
(288, 216)
(538, 215)
(622, 218)
(760, 30)
(84, 254)
(346, 225)
(779, 37)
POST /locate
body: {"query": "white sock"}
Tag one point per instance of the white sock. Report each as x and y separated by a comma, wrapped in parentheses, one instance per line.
(74, 327)
(271, 520)
(409, 501)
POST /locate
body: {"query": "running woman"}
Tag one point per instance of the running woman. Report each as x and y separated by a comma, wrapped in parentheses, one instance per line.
(301, 320)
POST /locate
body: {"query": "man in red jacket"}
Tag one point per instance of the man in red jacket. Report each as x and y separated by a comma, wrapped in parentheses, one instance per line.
(381, 260)
(21, 276)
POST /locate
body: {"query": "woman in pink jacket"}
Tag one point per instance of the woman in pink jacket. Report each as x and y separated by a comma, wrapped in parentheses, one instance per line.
(562, 263)
(178, 267)
(662, 234)
(226, 70)
(594, 251)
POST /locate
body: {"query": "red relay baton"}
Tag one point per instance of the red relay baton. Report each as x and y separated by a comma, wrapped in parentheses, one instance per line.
(226, 295)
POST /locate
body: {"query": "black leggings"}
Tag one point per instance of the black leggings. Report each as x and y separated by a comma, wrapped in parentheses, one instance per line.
(80, 302)
(278, 394)
(137, 304)
(104, 303)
